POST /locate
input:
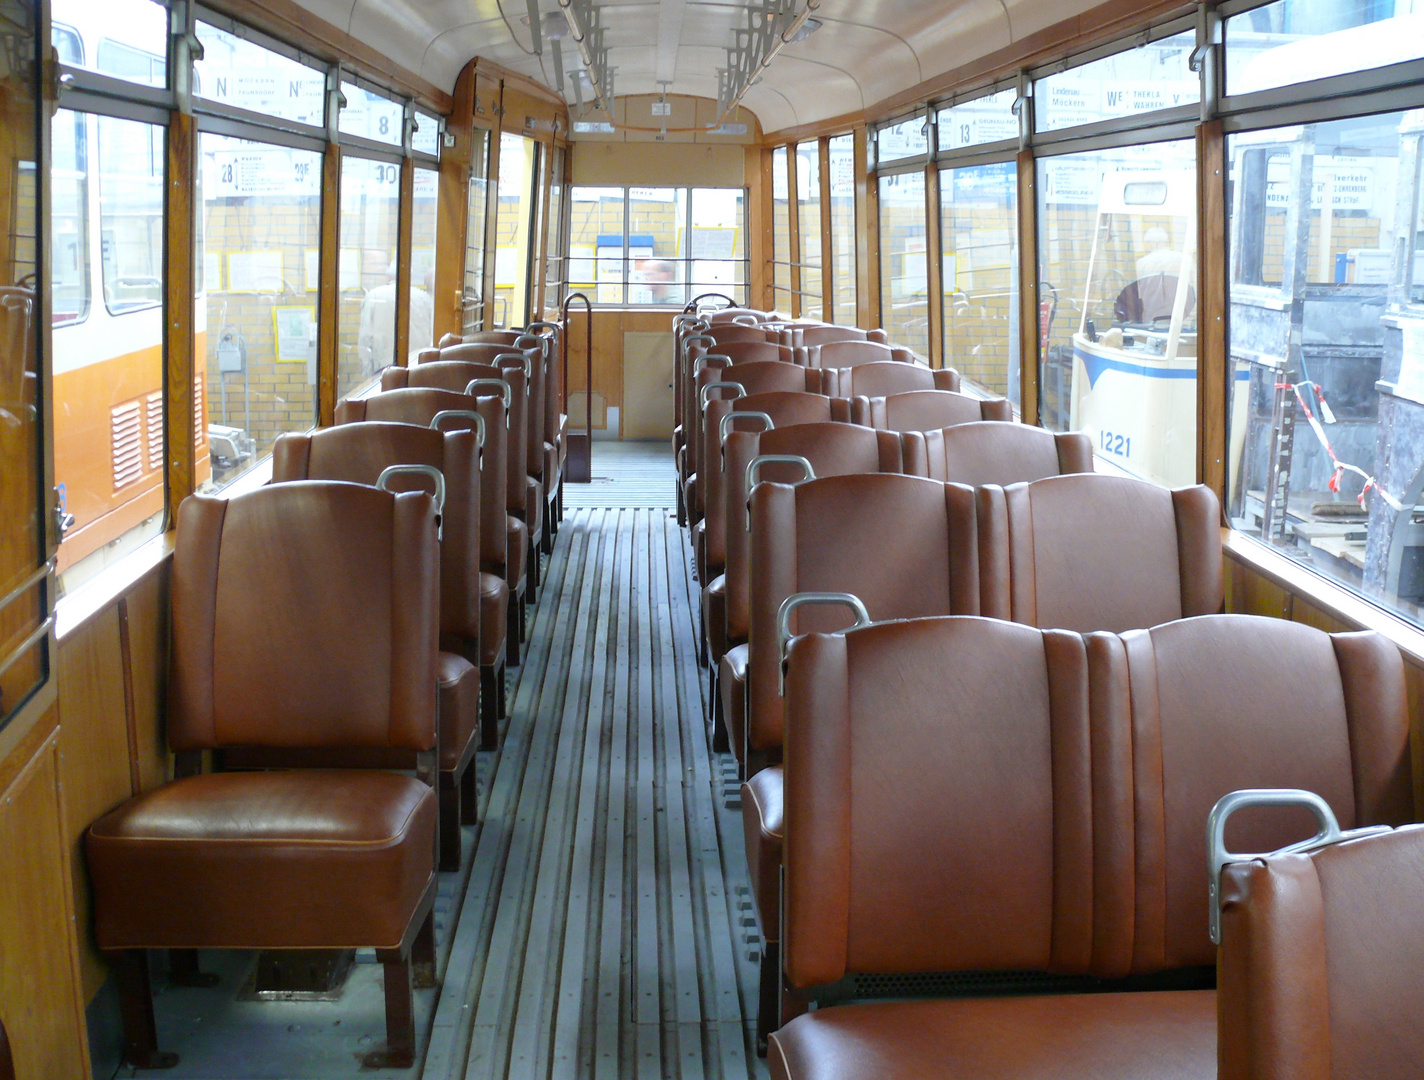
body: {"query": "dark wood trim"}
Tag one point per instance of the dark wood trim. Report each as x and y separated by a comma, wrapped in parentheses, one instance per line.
(404, 231)
(793, 226)
(828, 277)
(329, 298)
(1214, 376)
(453, 207)
(934, 257)
(1028, 288)
(180, 363)
(867, 236)
(492, 206)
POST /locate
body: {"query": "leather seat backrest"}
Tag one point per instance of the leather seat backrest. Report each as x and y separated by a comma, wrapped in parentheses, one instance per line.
(826, 333)
(754, 376)
(730, 315)
(746, 352)
(926, 410)
(269, 586)
(419, 406)
(937, 801)
(453, 375)
(841, 354)
(902, 544)
(357, 453)
(996, 452)
(1227, 702)
(1319, 962)
(485, 352)
(728, 333)
(888, 377)
(1094, 552)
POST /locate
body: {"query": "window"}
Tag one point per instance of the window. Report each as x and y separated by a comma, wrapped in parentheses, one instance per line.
(108, 358)
(244, 75)
(655, 233)
(596, 243)
(472, 314)
(1130, 83)
(24, 648)
(256, 326)
(780, 232)
(554, 263)
(979, 223)
(906, 139)
(1117, 284)
(1291, 41)
(424, 227)
(904, 299)
(425, 139)
(129, 43)
(1327, 349)
(366, 274)
(808, 206)
(369, 115)
(717, 248)
(515, 221)
(842, 256)
(988, 119)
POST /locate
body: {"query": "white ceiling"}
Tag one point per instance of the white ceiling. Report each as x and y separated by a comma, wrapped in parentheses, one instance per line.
(866, 51)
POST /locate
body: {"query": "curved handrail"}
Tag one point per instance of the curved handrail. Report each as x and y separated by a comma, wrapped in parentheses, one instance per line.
(588, 391)
(505, 393)
(429, 471)
(796, 600)
(463, 414)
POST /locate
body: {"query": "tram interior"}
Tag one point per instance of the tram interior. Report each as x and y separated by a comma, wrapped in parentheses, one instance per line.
(787, 538)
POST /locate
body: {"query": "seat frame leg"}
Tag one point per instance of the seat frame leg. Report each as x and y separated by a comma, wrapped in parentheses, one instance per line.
(721, 740)
(136, 1006)
(183, 969)
(768, 994)
(422, 953)
(470, 795)
(399, 1051)
(449, 794)
(491, 704)
(531, 571)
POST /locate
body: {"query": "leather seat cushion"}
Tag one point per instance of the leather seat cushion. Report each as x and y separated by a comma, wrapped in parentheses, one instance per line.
(761, 824)
(304, 858)
(534, 506)
(494, 609)
(516, 539)
(1168, 1035)
(714, 616)
(459, 707)
(732, 682)
(699, 549)
(551, 466)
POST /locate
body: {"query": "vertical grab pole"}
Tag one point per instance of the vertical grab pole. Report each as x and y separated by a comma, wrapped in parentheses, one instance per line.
(580, 461)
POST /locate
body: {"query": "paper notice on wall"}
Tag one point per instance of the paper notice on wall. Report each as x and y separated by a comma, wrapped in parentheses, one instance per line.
(295, 330)
(254, 271)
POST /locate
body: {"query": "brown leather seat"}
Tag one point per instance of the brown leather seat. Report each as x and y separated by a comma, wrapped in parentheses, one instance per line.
(882, 377)
(1319, 962)
(832, 449)
(844, 354)
(7, 1063)
(826, 333)
(358, 453)
(1088, 551)
(267, 653)
(1094, 761)
(503, 538)
(917, 411)
(995, 452)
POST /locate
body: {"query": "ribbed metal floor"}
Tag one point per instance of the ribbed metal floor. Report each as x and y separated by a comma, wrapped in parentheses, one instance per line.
(606, 930)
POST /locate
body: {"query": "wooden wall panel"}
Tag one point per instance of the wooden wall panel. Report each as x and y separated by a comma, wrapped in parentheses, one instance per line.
(40, 998)
(147, 614)
(94, 749)
(611, 375)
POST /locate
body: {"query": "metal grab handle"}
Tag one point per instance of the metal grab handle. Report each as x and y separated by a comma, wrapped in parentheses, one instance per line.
(463, 414)
(533, 340)
(684, 318)
(801, 599)
(725, 424)
(705, 360)
(505, 393)
(30, 582)
(741, 391)
(1217, 856)
(522, 357)
(423, 470)
(698, 339)
(754, 466)
(538, 326)
(746, 320)
(41, 632)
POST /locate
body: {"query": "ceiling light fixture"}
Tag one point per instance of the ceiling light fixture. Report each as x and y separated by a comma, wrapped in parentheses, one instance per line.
(770, 24)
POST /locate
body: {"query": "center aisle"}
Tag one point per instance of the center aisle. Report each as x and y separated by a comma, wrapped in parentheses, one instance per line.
(607, 929)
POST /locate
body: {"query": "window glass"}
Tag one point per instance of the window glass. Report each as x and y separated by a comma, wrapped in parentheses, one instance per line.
(108, 366)
(718, 248)
(904, 282)
(425, 139)
(369, 115)
(366, 274)
(983, 120)
(1294, 41)
(256, 325)
(124, 39)
(979, 219)
(515, 221)
(554, 263)
(907, 139)
(237, 72)
(808, 207)
(1129, 83)
(842, 163)
(69, 217)
(67, 45)
(1327, 349)
(780, 232)
(596, 243)
(1117, 290)
(472, 313)
(657, 220)
(22, 539)
(424, 226)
